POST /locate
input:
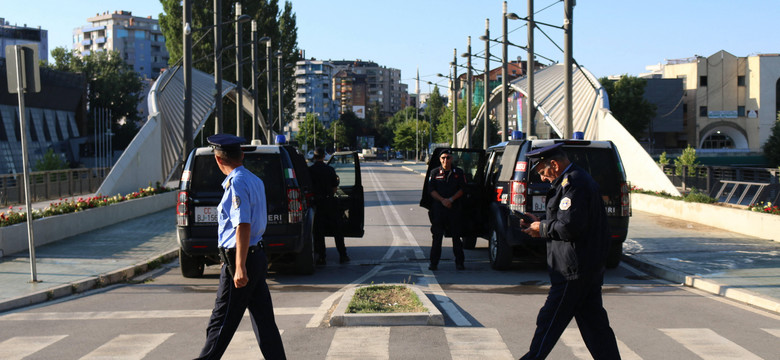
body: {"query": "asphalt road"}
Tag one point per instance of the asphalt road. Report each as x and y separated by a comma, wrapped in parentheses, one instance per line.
(489, 314)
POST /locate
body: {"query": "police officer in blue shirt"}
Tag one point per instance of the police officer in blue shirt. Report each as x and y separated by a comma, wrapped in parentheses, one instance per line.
(242, 221)
(575, 227)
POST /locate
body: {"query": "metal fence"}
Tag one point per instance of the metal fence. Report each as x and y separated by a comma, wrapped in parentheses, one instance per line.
(735, 185)
(47, 185)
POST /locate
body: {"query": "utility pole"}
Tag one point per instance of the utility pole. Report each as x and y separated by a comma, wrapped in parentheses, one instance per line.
(239, 72)
(486, 84)
(187, 73)
(269, 112)
(568, 34)
(469, 91)
(455, 97)
(218, 67)
(254, 80)
(504, 86)
(530, 66)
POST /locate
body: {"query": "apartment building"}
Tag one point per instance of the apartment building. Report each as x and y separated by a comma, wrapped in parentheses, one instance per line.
(313, 94)
(137, 39)
(23, 35)
(383, 85)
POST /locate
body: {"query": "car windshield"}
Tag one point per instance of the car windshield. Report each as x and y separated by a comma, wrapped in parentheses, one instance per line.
(207, 178)
(600, 163)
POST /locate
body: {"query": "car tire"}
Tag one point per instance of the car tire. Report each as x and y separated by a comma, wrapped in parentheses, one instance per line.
(191, 266)
(499, 252)
(613, 256)
(469, 242)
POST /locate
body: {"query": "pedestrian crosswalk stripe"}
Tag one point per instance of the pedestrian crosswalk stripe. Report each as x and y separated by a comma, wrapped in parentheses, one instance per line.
(128, 347)
(360, 343)
(573, 340)
(775, 332)
(476, 343)
(707, 344)
(150, 314)
(22, 346)
(244, 346)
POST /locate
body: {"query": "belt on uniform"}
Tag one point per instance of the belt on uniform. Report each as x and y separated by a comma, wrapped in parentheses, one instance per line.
(228, 256)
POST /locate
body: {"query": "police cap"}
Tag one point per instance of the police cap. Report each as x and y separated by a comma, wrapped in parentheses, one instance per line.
(544, 153)
(445, 151)
(225, 142)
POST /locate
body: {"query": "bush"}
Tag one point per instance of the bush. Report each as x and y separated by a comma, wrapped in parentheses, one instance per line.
(688, 158)
(696, 195)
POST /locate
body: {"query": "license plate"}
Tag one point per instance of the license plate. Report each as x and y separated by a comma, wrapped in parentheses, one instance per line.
(539, 203)
(205, 214)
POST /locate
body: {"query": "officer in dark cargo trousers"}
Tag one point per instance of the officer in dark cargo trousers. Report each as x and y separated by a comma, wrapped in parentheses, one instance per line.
(242, 221)
(446, 185)
(575, 227)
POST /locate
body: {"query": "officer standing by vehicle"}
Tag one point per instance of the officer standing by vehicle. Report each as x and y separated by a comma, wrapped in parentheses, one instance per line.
(325, 182)
(575, 228)
(242, 221)
(446, 184)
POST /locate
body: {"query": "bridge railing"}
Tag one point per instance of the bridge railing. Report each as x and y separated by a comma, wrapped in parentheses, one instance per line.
(735, 185)
(48, 185)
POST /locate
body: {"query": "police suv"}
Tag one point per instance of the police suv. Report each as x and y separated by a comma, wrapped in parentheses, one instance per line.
(501, 188)
(288, 237)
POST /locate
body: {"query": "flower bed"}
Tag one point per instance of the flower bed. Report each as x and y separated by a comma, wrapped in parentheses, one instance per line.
(12, 216)
(767, 208)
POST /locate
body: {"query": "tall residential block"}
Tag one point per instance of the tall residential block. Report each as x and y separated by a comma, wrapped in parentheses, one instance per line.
(313, 94)
(137, 39)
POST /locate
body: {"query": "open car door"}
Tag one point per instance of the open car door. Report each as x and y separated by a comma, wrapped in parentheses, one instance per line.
(349, 194)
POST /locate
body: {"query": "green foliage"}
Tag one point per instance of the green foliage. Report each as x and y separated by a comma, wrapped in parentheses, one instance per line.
(312, 131)
(663, 160)
(628, 105)
(434, 105)
(688, 158)
(406, 138)
(385, 299)
(443, 131)
(772, 146)
(697, 196)
(50, 161)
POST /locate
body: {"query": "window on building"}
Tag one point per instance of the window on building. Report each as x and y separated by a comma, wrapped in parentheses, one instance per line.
(703, 111)
(140, 34)
(741, 111)
(741, 80)
(718, 140)
(121, 33)
(703, 80)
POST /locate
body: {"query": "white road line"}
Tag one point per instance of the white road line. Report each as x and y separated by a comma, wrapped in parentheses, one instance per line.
(573, 340)
(244, 346)
(429, 278)
(128, 347)
(775, 332)
(360, 343)
(476, 343)
(709, 345)
(20, 347)
(149, 314)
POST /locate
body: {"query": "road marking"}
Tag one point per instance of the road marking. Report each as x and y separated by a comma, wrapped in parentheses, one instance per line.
(775, 332)
(244, 346)
(476, 343)
(20, 347)
(128, 347)
(150, 314)
(429, 278)
(360, 343)
(707, 344)
(573, 340)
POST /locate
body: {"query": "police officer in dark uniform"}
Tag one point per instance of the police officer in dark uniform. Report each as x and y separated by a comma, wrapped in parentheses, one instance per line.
(325, 182)
(242, 221)
(446, 185)
(575, 227)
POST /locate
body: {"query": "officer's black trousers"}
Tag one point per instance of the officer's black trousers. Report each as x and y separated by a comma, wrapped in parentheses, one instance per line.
(579, 299)
(443, 219)
(230, 306)
(327, 218)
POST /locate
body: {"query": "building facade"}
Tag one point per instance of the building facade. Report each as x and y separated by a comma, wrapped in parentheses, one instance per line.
(23, 35)
(730, 103)
(314, 93)
(383, 85)
(137, 39)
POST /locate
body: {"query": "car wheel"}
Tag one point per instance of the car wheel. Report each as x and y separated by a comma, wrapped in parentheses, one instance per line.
(499, 252)
(191, 266)
(469, 242)
(613, 257)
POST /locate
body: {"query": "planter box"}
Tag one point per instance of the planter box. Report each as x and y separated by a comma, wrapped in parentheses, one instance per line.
(432, 317)
(46, 230)
(727, 218)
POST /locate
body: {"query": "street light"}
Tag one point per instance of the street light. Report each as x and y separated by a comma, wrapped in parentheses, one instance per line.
(239, 71)
(255, 57)
(280, 90)
(504, 84)
(486, 85)
(454, 91)
(469, 90)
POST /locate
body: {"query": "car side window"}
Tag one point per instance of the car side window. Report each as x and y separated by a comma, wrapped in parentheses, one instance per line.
(468, 162)
(495, 167)
(345, 169)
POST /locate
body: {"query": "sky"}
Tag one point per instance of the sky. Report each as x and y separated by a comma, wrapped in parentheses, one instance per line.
(611, 37)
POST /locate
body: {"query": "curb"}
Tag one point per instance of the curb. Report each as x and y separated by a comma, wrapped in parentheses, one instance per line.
(706, 285)
(432, 317)
(90, 283)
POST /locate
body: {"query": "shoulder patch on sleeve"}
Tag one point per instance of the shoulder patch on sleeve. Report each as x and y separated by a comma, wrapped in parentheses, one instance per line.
(236, 201)
(565, 204)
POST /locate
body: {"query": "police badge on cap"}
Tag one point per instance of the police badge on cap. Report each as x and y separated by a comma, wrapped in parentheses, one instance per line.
(225, 142)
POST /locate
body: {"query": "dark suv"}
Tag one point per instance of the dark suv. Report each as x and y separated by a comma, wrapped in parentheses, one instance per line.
(500, 187)
(288, 238)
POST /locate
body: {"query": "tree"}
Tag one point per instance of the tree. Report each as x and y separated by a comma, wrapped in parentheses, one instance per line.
(339, 132)
(772, 146)
(688, 158)
(434, 105)
(405, 137)
(628, 105)
(280, 26)
(51, 161)
(443, 133)
(312, 129)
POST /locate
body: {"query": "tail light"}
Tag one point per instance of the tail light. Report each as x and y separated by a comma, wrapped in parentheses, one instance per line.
(625, 200)
(517, 195)
(182, 209)
(294, 206)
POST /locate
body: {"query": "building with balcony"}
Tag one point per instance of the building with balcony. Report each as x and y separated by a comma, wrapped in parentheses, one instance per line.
(137, 39)
(313, 94)
(22, 35)
(383, 86)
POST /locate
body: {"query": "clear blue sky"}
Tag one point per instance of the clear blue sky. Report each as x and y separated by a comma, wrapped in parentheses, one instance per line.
(611, 37)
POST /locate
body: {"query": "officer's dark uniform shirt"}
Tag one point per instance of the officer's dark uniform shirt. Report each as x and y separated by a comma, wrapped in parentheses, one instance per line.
(446, 183)
(324, 179)
(575, 225)
(243, 202)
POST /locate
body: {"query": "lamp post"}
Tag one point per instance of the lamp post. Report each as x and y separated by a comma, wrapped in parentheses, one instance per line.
(486, 85)
(255, 77)
(280, 90)
(453, 90)
(530, 67)
(187, 143)
(239, 71)
(568, 34)
(455, 98)
(504, 65)
(217, 67)
(469, 90)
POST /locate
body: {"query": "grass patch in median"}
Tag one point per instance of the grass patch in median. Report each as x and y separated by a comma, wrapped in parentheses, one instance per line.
(385, 299)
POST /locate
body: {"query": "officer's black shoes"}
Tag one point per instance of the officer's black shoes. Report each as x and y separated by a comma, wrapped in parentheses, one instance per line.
(432, 267)
(460, 267)
(344, 259)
